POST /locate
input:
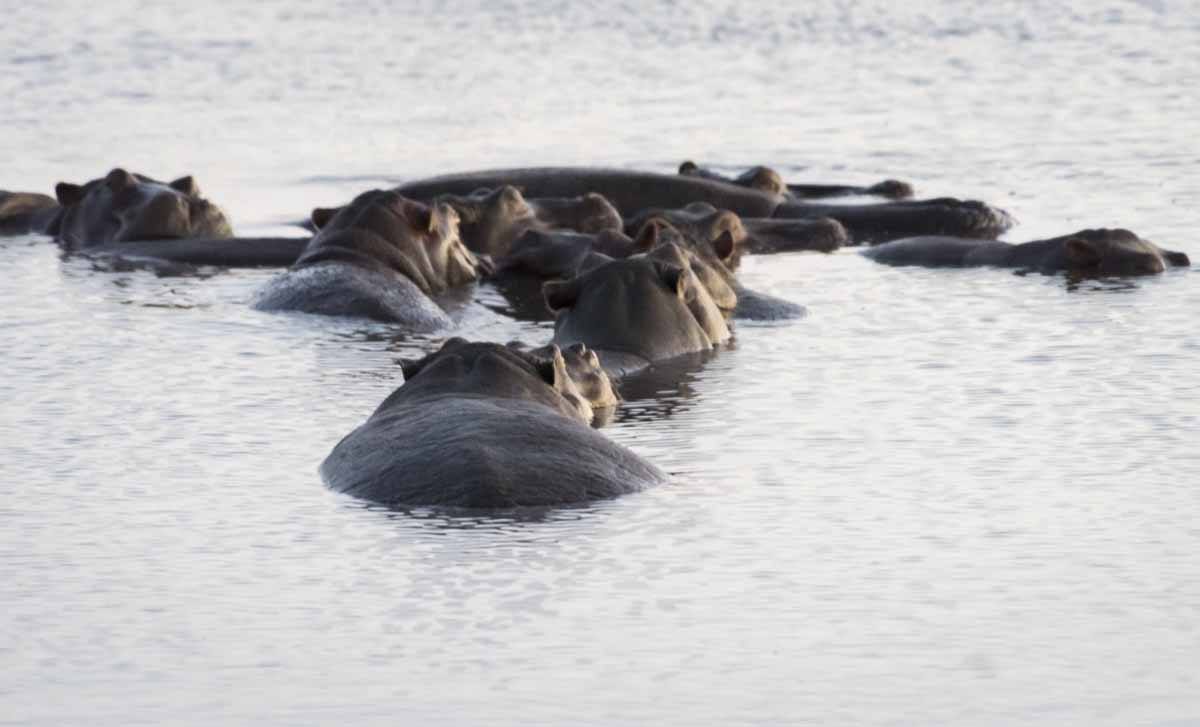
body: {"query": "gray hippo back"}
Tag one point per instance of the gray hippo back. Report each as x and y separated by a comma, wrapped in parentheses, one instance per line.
(483, 426)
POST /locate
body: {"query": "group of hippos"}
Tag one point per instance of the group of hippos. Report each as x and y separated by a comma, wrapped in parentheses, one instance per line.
(635, 268)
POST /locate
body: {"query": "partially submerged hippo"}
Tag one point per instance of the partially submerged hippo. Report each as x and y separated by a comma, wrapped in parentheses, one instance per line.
(715, 250)
(480, 425)
(492, 220)
(382, 257)
(634, 312)
(134, 216)
(769, 180)
(701, 221)
(631, 192)
(1099, 253)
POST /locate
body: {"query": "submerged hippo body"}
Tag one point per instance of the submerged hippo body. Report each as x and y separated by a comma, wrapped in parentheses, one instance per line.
(1100, 252)
(632, 313)
(632, 192)
(769, 180)
(135, 217)
(381, 257)
(629, 191)
(480, 425)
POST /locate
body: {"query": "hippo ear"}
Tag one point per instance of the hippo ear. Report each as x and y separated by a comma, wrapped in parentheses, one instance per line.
(1178, 259)
(322, 215)
(119, 179)
(67, 193)
(444, 218)
(553, 367)
(187, 185)
(675, 278)
(688, 168)
(510, 195)
(560, 294)
(648, 236)
(412, 367)
(417, 214)
(589, 357)
(725, 246)
(1082, 253)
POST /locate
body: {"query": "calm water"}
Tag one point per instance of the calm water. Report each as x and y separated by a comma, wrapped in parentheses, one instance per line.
(944, 498)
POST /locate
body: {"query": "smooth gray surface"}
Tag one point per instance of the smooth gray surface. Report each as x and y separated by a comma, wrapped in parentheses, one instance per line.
(943, 498)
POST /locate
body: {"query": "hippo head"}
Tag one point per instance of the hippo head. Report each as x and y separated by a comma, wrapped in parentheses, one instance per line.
(590, 213)
(708, 313)
(491, 219)
(1105, 252)
(710, 263)
(490, 369)
(125, 207)
(716, 235)
(384, 231)
(761, 178)
(636, 307)
(588, 384)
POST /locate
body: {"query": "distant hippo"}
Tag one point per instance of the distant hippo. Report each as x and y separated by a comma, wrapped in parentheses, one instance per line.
(631, 192)
(769, 180)
(491, 220)
(381, 257)
(480, 425)
(134, 216)
(1099, 253)
(702, 221)
(634, 312)
(552, 255)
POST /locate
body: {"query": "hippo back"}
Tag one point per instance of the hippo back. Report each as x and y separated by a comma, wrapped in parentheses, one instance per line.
(629, 191)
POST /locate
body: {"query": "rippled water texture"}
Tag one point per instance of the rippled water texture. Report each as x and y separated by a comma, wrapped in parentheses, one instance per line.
(944, 498)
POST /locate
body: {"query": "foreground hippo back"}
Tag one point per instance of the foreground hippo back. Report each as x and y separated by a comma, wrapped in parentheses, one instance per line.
(482, 426)
(382, 257)
(628, 191)
(630, 312)
(125, 207)
(1098, 253)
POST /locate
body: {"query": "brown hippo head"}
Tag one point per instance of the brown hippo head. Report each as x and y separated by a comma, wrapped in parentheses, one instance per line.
(125, 207)
(461, 368)
(712, 233)
(1105, 252)
(491, 219)
(761, 178)
(554, 254)
(381, 230)
(637, 307)
(662, 241)
(589, 383)
(591, 213)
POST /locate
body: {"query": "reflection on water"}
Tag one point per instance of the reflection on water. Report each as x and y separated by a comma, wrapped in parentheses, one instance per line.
(943, 497)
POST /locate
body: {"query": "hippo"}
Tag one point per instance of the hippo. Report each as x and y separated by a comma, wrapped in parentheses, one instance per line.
(1088, 253)
(769, 180)
(484, 426)
(134, 216)
(491, 220)
(631, 192)
(634, 312)
(714, 262)
(382, 257)
(24, 212)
